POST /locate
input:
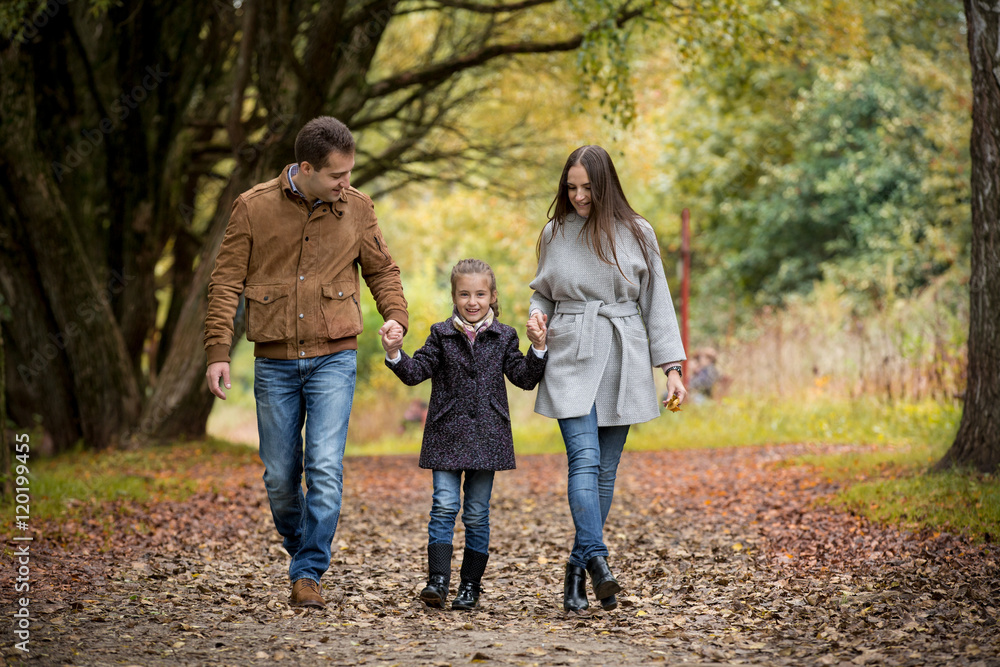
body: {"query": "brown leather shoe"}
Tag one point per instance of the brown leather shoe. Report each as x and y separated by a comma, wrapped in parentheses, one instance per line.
(306, 593)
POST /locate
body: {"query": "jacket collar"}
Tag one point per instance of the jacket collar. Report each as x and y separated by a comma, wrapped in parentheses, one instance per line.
(450, 329)
(290, 191)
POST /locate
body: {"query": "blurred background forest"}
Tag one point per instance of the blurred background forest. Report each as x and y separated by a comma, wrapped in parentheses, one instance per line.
(822, 147)
(827, 178)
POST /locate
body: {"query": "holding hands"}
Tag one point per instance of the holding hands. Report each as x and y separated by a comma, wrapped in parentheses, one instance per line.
(392, 338)
(537, 329)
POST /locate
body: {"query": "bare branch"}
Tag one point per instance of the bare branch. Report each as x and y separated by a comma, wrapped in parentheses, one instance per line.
(478, 8)
(443, 70)
(237, 133)
(285, 42)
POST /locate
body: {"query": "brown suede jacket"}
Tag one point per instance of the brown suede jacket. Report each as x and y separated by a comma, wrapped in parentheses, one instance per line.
(299, 272)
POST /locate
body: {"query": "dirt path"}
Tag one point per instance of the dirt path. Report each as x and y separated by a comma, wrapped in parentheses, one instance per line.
(724, 557)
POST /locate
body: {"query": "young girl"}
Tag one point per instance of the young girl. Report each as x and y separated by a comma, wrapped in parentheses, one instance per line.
(468, 421)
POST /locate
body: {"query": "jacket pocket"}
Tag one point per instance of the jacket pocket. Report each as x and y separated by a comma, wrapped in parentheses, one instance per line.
(442, 412)
(637, 333)
(267, 312)
(501, 409)
(341, 310)
(563, 326)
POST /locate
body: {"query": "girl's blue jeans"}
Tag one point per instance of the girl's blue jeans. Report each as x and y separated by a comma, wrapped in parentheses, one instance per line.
(446, 501)
(593, 453)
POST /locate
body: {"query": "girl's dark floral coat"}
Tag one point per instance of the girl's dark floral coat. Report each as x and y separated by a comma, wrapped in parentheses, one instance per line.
(468, 419)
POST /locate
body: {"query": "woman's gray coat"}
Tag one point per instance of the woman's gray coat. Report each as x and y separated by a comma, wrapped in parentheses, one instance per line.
(606, 330)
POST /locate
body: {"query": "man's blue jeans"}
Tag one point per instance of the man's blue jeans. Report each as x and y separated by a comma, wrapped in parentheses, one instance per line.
(317, 392)
(478, 488)
(593, 454)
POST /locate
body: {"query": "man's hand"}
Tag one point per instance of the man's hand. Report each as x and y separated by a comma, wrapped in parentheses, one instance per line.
(392, 337)
(391, 343)
(218, 370)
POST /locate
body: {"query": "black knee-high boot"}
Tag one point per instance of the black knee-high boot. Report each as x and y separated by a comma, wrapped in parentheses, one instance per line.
(438, 574)
(473, 566)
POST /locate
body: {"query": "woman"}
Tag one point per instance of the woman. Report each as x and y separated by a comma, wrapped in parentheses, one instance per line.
(601, 290)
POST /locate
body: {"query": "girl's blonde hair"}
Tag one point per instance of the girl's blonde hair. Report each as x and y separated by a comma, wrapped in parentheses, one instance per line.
(468, 267)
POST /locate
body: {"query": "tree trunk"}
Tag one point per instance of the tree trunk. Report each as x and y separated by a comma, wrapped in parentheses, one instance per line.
(181, 402)
(39, 388)
(977, 442)
(104, 386)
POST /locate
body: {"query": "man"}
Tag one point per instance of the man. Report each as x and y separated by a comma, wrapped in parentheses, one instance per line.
(291, 248)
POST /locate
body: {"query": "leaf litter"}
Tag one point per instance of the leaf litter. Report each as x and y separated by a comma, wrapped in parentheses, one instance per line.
(725, 557)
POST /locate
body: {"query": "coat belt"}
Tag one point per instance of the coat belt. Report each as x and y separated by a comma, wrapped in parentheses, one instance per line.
(614, 312)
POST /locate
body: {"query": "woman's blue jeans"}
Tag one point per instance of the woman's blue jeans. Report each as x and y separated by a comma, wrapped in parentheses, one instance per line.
(317, 392)
(593, 453)
(478, 488)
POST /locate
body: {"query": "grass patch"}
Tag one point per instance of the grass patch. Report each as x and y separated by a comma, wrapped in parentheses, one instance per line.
(734, 422)
(72, 485)
(894, 485)
(737, 422)
(408, 443)
(965, 504)
(741, 422)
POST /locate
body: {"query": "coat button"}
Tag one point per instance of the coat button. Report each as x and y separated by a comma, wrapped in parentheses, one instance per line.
(302, 354)
(266, 298)
(340, 294)
(302, 277)
(301, 315)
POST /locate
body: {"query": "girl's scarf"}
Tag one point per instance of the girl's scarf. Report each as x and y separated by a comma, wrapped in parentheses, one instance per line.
(468, 328)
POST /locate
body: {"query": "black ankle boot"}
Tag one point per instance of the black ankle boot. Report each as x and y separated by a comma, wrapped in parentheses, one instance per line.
(468, 596)
(601, 579)
(438, 575)
(473, 566)
(575, 589)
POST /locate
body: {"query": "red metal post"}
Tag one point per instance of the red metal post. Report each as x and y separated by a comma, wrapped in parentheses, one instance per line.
(685, 280)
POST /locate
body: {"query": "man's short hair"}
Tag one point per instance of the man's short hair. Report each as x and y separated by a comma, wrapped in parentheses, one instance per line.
(319, 137)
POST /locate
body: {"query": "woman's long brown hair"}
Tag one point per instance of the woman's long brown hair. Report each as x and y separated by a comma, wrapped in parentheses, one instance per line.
(608, 207)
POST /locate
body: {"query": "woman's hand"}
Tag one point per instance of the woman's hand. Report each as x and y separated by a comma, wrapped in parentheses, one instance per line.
(537, 330)
(675, 387)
